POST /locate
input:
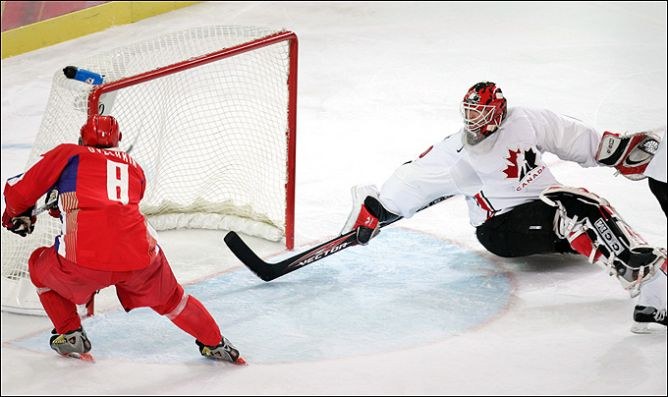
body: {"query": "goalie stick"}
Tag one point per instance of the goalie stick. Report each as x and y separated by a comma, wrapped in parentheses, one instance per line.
(270, 271)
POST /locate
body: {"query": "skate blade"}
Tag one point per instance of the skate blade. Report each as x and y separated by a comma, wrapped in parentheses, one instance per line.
(646, 328)
(80, 356)
(240, 361)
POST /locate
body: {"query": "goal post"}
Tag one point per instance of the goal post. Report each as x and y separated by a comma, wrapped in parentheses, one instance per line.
(210, 115)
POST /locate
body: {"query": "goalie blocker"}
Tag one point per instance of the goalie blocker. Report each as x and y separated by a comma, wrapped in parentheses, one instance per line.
(367, 214)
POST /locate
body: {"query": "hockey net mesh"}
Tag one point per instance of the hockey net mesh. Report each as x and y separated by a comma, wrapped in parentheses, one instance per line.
(211, 139)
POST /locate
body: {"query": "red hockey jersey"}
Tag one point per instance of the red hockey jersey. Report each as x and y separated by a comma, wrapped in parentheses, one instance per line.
(100, 191)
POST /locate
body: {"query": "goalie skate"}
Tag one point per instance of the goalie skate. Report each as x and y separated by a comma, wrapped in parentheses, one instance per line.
(645, 319)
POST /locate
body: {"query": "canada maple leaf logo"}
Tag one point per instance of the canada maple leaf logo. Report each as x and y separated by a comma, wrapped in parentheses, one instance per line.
(511, 170)
(520, 163)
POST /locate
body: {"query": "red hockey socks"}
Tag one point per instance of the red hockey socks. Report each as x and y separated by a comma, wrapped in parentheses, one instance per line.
(63, 313)
(197, 321)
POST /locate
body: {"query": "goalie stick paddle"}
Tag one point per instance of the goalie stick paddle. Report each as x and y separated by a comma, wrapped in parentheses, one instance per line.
(270, 271)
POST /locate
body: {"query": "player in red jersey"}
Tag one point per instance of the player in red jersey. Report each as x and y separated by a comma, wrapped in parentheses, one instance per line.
(105, 241)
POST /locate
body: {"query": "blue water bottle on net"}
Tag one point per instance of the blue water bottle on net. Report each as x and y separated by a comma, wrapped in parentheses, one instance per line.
(86, 76)
(106, 100)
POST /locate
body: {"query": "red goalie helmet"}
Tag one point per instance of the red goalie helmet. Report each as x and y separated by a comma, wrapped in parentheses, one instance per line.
(100, 131)
(483, 108)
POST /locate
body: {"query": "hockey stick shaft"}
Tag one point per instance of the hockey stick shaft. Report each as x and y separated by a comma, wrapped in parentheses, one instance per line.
(270, 271)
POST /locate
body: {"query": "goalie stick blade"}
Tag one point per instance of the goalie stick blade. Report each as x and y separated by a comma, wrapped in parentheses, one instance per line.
(270, 271)
(248, 257)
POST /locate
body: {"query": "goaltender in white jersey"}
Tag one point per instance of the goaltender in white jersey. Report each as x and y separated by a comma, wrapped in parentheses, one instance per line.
(515, 203)
(497, 174)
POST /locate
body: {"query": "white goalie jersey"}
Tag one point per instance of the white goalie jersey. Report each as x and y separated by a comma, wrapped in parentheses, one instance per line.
(503, 171)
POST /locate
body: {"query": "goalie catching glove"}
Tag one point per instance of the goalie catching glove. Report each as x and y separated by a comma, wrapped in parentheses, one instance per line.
(22, 224)
(367, 214)
(630, 154)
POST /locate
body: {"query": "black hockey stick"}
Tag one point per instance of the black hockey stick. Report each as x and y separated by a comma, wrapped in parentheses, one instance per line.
(50, 202)
(269, 271)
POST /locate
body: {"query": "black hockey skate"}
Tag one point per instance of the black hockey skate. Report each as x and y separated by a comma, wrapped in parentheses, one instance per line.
(644, 315)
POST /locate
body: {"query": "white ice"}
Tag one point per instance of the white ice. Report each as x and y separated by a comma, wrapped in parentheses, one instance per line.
(378, 83)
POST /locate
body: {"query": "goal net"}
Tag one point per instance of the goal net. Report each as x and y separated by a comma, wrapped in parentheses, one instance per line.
(209, 114)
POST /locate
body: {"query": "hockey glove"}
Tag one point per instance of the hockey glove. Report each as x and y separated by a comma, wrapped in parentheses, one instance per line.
(367, 225)
(367, 214)
(22, 224)
(371, 218)
(630, 154)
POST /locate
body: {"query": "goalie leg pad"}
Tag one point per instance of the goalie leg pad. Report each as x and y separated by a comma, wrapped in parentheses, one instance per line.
(583, 244)
(643, 264)
(595, 230)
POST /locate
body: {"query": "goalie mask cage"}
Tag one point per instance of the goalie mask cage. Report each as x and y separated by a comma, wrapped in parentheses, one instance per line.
(210, 115)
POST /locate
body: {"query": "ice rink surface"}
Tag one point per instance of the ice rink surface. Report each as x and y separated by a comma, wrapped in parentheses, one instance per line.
(423, 309)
